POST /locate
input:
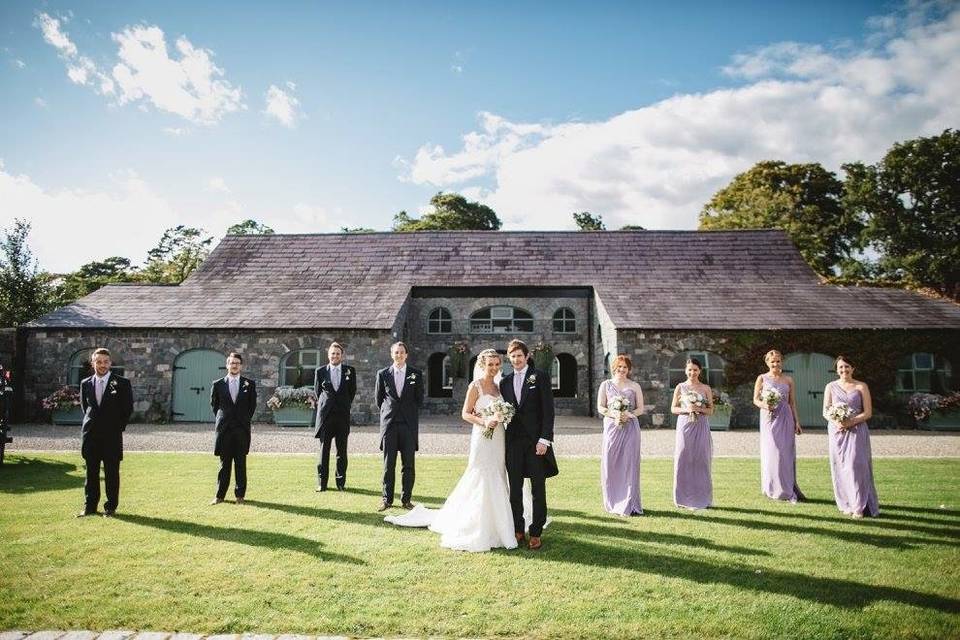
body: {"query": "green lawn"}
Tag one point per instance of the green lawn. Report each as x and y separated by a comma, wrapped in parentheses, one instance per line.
(295, 561)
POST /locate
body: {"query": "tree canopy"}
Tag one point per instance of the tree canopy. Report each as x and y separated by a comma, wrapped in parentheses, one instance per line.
(24, 289)
(249, 228)
(586, 221)
(180, 251)
(452, 212)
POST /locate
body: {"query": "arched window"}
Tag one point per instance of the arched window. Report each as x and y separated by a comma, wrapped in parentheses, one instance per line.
(564, 376)
(80, 367)
(565, 321)
(298, 368)
(711, 372)
(924, 372)
(440, 321)
(439, 376)
(501, 320)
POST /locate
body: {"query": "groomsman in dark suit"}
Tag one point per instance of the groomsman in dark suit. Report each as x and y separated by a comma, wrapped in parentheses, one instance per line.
(233, 399)
(107, 402)
(336, 385)
(529, 439)
(399, 394)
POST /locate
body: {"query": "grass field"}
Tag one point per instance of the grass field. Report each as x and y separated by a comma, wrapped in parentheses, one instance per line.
(291, 560)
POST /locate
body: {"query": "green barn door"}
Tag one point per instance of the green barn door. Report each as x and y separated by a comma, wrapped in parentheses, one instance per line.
(192, 373)
(810, 372)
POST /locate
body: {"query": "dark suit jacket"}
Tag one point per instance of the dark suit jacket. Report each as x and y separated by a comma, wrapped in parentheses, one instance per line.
(534, 417)
(333, 406)
(233, 418)
(404, 407)
(101, 432)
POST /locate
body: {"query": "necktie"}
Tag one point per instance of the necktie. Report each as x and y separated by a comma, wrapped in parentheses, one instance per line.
(517, 384)
(335, 378)
(398, 380)
(233, 388)
(99, 390)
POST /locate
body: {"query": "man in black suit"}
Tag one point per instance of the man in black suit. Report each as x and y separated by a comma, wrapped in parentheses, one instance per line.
(107, 402)
(399, 394)
(233, 399)
(336, 385)
(529, 439)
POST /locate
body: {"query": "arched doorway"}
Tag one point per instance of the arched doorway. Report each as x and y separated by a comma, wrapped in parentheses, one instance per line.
(810, 372)
(193, 371)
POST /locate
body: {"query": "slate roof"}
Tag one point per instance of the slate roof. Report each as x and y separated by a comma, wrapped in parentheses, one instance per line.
(643, 279)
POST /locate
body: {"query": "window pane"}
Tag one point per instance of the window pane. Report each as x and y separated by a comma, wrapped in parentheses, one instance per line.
(923, 360)
(524, 325)
(501, 312)
(308, 358)
(558, 325)
(446, 326)
(922, 380)
(905, 380)
(483, 314)
(520, 313)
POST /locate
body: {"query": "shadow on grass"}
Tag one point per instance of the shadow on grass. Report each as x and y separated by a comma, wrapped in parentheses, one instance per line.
(28, 475)
(373, 518)
(830, 591)
(251, 537)
(656, 537)
(947, 529)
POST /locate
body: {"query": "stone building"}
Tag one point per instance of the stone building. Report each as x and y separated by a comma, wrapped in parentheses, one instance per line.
(655, 295)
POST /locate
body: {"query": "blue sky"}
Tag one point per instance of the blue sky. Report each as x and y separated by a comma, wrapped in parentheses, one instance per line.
(123, 119)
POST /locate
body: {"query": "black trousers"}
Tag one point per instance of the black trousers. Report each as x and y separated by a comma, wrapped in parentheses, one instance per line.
(335, 431)
(398, 439)
(111, 481)
(523, 462)
(239, 464)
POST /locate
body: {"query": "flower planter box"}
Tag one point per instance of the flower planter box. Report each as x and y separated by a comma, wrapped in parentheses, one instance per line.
(295, 416)
(720, 420)
(943, 420)
(65, 417)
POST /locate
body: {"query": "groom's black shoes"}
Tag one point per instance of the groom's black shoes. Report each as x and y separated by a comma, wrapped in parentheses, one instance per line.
(521, 539)
(384, 505)
(407, 505)
(535, 543)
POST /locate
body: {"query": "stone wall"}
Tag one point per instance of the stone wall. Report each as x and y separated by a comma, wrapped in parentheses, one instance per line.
(148, 355)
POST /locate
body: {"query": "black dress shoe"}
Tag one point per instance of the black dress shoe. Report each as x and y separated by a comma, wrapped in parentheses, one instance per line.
(109, 513)
(216, 501)
(87, 512)
(340, 487)
(384, 505)
(319, 489)
(407, 505)
(240, 500)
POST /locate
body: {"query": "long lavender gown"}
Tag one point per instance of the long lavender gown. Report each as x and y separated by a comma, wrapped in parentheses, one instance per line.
(778, 447)
(851, 464)
(620, 460)
(692, 482)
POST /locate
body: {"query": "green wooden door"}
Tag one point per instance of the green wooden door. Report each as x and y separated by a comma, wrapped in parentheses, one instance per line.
(192, 373)
(810, 372)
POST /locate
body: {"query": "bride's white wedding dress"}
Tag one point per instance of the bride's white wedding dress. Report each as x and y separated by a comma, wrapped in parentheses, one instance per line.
(476, 515)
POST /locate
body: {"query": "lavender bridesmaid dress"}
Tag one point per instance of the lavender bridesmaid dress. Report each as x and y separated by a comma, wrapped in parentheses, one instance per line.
(692, 483)
(778, 447)
(851, 465)
(620, 459)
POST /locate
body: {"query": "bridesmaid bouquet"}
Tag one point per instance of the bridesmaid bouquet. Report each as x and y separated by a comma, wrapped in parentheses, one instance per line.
(502, 411)
(839, 412)
(772, 398)
(618, 405)
(693, 400)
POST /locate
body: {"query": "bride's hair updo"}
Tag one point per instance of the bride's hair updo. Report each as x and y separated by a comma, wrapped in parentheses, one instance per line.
(480, 368)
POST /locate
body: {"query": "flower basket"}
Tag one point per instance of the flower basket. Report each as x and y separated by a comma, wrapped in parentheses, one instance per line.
(64, 406)
(936, 412)
(293, 406)
(543, 357)
(722, 410)
(459, 359)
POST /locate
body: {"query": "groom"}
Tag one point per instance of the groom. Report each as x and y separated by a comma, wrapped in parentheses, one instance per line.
(529, 438)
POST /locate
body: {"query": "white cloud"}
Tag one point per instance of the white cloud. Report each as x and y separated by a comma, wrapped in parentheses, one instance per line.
(40, 102)
(657, 165)
(217, 185)
(188, 87)
(19, 64)
(72, 227)
(283, 105)
(175, 131)
(50, 27)
(308, 218)
(80, 69)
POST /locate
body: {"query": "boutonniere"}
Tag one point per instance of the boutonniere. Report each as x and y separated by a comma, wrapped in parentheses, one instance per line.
(346, 374)
(113, 386)
(532, 379)
(246, 385)
(412, 378)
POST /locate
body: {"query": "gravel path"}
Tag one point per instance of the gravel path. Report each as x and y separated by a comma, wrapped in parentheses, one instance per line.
(575, 436)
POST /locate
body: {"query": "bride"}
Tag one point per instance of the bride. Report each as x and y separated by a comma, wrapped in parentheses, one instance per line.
(476, 515)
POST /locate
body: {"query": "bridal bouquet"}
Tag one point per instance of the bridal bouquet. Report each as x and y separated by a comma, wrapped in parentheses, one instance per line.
(499, 409)
(618, 405)
(839, 412)
(692, 401)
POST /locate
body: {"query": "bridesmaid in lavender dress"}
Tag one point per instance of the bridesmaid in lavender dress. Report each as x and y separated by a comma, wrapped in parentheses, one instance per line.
(620, 459)
(851, 465)
(779, 427)
(692, 482)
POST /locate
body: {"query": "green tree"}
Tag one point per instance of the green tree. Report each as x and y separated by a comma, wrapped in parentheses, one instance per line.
(632, 227)
(911, 201)
(91, 277)
(249, 228)
(804, 200)
(24, 289)
(359, 229)
(451, 211)
(181, 250)
(586, 221)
